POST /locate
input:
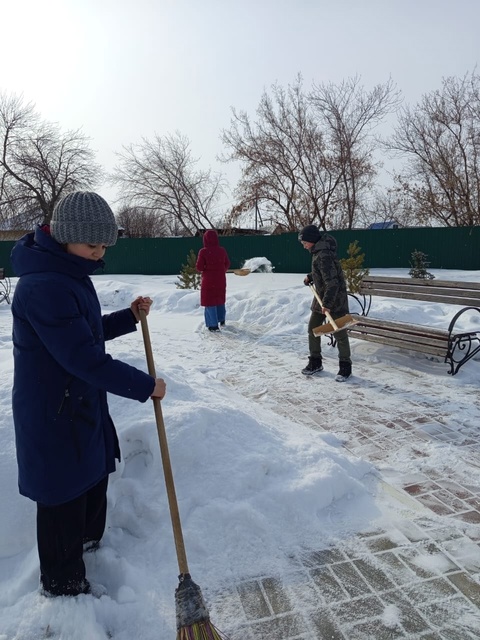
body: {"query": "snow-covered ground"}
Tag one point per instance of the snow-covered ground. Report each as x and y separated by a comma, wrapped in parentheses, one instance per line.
(254, 486)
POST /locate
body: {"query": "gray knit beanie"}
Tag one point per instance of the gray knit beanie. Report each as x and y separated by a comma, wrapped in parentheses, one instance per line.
(83, 217)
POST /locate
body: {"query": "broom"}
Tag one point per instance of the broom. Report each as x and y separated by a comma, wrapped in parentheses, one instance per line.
(193, 620)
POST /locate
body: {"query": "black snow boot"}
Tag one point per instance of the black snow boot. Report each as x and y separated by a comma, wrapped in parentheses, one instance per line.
(313, 367)
(344, 372)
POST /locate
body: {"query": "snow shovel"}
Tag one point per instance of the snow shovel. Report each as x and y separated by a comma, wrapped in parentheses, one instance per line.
(332, 326)
(193, 620)
(239, 272)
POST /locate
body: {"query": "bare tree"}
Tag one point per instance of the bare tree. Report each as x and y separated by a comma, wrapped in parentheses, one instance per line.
(286, 165)
(391, 204)
(349, 115)
(308, 158)
(38, 163)
(440, 137)
(138, 222)
(161, 176)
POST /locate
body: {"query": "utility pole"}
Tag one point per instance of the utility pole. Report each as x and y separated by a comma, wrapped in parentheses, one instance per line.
(257, 215)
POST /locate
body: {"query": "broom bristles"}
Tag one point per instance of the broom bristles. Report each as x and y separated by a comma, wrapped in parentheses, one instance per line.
(200, 631)
(193, 621)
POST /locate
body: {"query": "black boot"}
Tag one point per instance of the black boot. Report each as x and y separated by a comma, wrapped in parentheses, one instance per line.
(344, 372)
(313, 367)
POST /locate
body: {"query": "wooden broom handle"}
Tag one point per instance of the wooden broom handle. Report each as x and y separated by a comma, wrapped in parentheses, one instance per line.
(319, 300)
(167, 467)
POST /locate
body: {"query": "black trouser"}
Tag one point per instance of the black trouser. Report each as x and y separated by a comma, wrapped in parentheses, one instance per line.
(61, 532)
(314, 342)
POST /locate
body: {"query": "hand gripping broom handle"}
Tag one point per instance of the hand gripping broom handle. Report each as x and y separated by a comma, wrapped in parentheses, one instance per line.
(167, 467)
(319, 300)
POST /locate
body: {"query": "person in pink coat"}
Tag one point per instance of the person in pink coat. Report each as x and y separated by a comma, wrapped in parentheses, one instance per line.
(213, 263)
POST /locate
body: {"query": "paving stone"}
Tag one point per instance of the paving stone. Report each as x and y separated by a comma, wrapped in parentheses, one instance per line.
(450, 500)
(424, 592)
(410, 618)
(414, 558)
(253, 601)
(427, 521)
(465, 553)
(276, 595)
(322, 557)
(373, 629)
(326, 627)
(420, 488)
(382, 543)
(280, 627)
(411, 531)
(396, 569)
(301, 588)
(404, 424)
(474, 503)
(469, 516)
(473, 488)
(329, 587)
(430, 502)
(240, 633)
(355, 548)
(376, 578)
(442, 534)
(359, 609)
(467, 586)
(350, 579)
(228, 604)
(450, 633)
(472, 532)
(369, 534)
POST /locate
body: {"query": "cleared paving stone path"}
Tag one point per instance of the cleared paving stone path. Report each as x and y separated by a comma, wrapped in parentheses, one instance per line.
(417, 577)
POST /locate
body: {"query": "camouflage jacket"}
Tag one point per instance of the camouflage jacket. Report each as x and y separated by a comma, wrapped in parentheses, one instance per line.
(328, 277)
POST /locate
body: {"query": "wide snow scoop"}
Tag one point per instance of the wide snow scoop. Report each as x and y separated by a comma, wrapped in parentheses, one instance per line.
(193, 620)
(240, 272)
(332, 326)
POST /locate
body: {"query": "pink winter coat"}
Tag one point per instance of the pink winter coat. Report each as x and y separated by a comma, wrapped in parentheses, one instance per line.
(212, 262)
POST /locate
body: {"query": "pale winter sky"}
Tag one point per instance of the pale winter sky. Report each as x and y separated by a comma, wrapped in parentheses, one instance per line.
(126, 69)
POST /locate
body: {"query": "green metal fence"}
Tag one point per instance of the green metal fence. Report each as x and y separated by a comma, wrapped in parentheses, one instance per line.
(446, 248)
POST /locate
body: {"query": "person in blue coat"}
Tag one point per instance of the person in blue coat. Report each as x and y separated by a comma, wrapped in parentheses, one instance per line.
(66, 442)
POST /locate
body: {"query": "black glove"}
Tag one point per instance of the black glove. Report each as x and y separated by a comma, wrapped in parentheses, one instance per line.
(308, 280)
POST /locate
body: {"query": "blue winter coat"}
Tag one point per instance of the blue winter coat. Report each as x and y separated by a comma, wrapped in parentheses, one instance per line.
(66, 441)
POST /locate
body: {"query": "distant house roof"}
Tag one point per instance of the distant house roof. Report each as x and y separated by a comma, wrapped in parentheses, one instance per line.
(388, 224)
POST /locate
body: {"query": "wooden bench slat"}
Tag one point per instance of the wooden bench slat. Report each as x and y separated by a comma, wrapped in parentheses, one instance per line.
(437, 342)
(418, 282)
(434, 339)
(427, 297)
(400, 327)
(402, 344)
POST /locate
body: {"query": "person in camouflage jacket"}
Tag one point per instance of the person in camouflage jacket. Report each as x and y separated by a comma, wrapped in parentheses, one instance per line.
(329, 281)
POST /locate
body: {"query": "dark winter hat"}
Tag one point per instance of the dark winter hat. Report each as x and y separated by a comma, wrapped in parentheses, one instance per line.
(83, 216)
(310, 233)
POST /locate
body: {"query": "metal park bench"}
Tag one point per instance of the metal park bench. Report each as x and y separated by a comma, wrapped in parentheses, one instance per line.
(5, 286)
(455, 346)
